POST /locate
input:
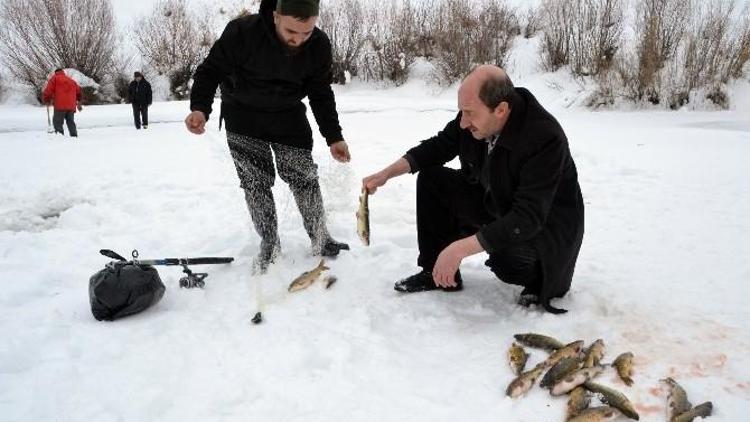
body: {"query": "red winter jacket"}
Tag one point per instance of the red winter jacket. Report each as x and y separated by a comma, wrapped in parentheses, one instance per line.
(64, 90)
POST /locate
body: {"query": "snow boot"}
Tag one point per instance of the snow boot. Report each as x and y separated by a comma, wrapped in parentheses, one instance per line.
(422, 282)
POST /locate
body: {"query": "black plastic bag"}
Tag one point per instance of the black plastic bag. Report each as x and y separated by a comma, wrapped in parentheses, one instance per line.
(122, 289)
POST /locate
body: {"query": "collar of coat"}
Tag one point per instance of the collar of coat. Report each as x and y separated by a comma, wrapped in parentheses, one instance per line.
(512, 131)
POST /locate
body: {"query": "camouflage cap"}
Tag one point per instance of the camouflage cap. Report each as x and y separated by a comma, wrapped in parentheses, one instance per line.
(298, 8)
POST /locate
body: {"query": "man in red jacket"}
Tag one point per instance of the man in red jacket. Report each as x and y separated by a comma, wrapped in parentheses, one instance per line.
(66, 95)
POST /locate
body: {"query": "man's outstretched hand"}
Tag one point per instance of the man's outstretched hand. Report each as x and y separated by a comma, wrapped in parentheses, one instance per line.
(340, 152)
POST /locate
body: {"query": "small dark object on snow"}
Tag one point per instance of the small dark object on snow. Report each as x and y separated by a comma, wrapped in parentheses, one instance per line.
(258, 318)
(125, 287)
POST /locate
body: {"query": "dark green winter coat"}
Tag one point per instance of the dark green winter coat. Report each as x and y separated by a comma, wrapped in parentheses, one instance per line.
(533, 186)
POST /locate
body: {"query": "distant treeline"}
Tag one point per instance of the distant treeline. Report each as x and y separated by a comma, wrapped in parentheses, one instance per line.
(658, 51)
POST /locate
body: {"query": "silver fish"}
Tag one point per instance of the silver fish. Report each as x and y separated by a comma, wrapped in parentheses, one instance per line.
(307, 278)
(579, 400)
(539, 341)
(363, 218)
(517, 358)
(524, 382)
(561, 370)
(613, 398)
(624, 366)
(594, 354)
(702, 410)
(597, 414)
(568, 351)
(677, 401)
(575, 379)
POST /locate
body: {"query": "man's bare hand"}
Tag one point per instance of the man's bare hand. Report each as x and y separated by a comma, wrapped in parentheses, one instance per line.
(196, 122)
(340, 152)
(444, 271)
(373, 182)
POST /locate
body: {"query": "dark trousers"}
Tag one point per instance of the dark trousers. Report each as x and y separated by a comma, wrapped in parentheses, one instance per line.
(68, 117)
(254, 162)
(450, 208)
(140, 114)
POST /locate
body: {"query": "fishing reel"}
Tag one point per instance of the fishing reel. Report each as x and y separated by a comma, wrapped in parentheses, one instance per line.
(192, 280)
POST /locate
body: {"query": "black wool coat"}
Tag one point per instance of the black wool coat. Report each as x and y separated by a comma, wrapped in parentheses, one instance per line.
(140, 93)
(533, 186)
(263, 83)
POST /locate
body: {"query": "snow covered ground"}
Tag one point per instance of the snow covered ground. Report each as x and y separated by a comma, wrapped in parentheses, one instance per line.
(663, 273)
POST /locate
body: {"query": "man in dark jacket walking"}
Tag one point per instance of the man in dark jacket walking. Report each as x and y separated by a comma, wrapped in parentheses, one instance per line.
(65, 94)
(266, 64)
(516, 196)
(140, 96)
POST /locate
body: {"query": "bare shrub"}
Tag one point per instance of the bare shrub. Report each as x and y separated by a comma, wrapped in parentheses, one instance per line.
(584, 34)
(3, 89)
(468, 34)
(174, 40)
(37, 36)
(389, 49)
(739, 54)
(660, 29)
(558, 20)
(531, 22)
(596, 35)
(343, 22)
(705, 60)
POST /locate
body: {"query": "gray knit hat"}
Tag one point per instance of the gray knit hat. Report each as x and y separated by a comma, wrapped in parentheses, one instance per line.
(298, 8)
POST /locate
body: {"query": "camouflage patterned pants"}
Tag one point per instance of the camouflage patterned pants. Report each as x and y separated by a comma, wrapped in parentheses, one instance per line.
(254, 161)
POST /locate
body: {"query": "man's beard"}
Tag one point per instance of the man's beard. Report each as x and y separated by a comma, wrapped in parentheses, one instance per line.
(291, 50)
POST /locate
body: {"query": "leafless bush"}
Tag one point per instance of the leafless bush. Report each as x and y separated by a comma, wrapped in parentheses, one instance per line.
(3, 89)
(705, 60)
(389, 49)
(174, 40)
(468, 34)
(558, 20)
(585, 34)
(530, 22)
(343, 21)
(595, 36)
(659, 32)
(739, 51)
(37, 36)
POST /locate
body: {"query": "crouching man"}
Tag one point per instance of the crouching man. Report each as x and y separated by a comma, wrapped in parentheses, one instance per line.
(516, 195)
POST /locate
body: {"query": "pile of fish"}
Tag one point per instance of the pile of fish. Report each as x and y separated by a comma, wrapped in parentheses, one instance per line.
(571, 368)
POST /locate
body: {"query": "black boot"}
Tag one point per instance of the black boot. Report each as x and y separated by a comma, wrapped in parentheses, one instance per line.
(422, 282)
(332, 248)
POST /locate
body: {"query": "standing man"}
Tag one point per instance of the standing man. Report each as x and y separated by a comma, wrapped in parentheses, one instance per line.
(516, 196)
(266, 64)
(139, 92)
(65, 94)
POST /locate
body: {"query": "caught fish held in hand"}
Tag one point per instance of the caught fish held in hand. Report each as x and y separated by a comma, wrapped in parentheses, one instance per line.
(363, 218)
